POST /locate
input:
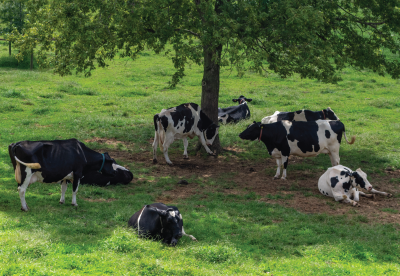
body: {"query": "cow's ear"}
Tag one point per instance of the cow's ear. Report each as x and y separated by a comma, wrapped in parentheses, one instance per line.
(234, 100)
(249, 100)
(254, 122)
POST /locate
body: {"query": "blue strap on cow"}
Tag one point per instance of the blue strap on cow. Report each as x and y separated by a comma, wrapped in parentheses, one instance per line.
(102, 165)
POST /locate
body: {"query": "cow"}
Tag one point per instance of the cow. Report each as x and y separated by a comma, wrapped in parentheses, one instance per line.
(235, 113)
(96, 178)
(285, 138)
(180, 122)
(303, 115)
(56, 161)
(159, 221)
(341, 183)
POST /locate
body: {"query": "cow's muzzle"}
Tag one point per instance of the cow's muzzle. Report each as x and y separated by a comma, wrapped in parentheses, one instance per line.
(369, 188)
(173, 242)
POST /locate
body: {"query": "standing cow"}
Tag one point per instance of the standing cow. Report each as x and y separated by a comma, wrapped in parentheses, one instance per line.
(303, 115)
(185, 120)
(341, 183)
(305, 139)
(235, 113)
(158, 220)
(56, 161)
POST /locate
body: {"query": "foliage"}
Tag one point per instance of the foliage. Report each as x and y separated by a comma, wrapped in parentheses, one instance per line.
(312, 38)
(12, 15)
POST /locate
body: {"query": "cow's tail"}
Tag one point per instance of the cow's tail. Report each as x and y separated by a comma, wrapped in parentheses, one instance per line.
(353, 138)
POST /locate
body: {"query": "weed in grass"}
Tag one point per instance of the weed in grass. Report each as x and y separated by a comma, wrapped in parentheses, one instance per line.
(41, 111)
(390, 210)
(327, 91)
(4, 107)
(361, 218)
(57, 95)
(12, 93)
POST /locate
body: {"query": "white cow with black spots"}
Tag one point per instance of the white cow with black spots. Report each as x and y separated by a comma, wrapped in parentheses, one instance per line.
(341, 183)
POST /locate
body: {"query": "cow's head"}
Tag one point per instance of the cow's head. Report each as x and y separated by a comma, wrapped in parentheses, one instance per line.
(252, 132)
(101, 163)
(242, 99)
(210, 133)
(171, 223)
(121, 175)
(360, 178)
(329, 114)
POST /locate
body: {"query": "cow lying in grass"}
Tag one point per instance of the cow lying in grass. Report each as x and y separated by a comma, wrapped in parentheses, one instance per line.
(185, 120)
(341, 183)
(303, 115)
(235, 113)
(158, 220)
(57, 161)
(122, 176)
(305, 139)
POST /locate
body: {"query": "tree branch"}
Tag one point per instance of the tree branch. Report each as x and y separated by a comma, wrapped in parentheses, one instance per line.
(189, 31)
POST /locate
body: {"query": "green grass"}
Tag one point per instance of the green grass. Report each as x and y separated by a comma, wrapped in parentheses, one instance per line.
(238, 234)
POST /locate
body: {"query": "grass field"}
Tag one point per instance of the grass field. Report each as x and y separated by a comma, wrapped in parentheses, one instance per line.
(238, 231)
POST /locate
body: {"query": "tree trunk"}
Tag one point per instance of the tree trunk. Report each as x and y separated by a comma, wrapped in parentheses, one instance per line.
(9, 48)
(210, 90)
(32, 60)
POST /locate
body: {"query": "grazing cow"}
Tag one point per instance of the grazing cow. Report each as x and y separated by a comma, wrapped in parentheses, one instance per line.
(158, 220)
(56, 161)
(341, 183)
(122, 176)
(235, 113)
(303, 115)
(185, 120)
(285, 138)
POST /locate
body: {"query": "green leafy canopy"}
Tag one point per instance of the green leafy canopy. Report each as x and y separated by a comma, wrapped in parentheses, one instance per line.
(315, 39)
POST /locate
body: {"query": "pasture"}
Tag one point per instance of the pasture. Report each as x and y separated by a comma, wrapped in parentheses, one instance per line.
(245, 222)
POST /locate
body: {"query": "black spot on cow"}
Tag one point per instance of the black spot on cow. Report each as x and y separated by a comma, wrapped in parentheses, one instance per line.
(285, 116)
(334, 181)
(347, 185)
(359, 180)
(164, 122)
(329, 114)
(299, 111)
(183, 113)
(327, 134)
(211, 130)
(204, 121)
(338, 128)
(306, 135)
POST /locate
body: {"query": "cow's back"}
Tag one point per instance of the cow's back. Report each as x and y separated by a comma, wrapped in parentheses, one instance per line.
(180, 119)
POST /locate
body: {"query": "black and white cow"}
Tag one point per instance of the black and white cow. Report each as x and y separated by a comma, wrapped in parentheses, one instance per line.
(185, 120)
(235, 113)
(96, 178)
(56, 161)
(158, 220)
(341, 183)
(303, 115)
(305, 139)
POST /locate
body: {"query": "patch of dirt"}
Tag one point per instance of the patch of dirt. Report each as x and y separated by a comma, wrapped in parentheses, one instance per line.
(112, 142)
(299, 191)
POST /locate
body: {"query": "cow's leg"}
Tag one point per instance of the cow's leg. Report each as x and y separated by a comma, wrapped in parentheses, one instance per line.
(75, 187)
(185, 146)
(168, 141)
(278, 171)
(22, 188)
(64, 186)
(335, 159)
(346, 199)
(190, 236)
(356, 194)
(155, 144)
(203, 142)
(381, 193)
(366, 195)
(284, 161)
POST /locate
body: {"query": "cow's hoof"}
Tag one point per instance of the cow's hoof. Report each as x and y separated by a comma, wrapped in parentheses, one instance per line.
(62, 202)
(25, 210)
(283, 178)
(185, 157)
(194, 239)
(276, 177)
(155, 161)
(75, 205)
(389, 195)
(170, 164)
(373, 197)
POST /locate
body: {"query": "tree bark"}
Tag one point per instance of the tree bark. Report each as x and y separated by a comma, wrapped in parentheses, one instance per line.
(210, 90)
(9, 48)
